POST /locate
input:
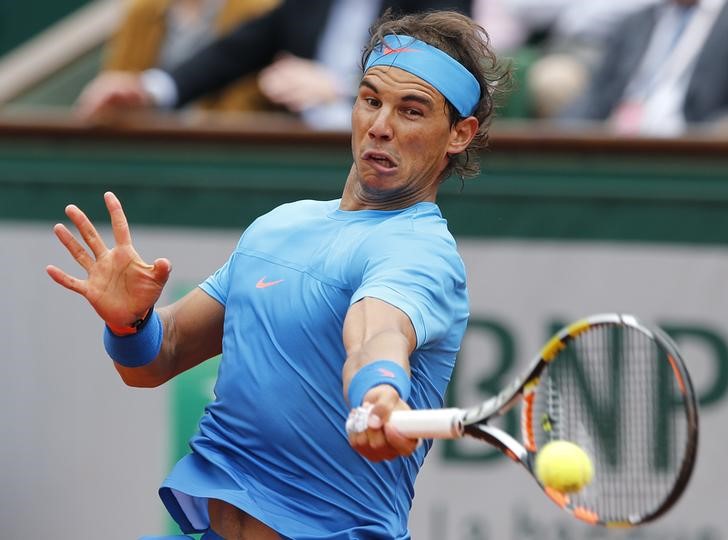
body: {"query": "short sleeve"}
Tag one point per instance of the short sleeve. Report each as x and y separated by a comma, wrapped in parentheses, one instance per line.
(218, 284)
(423, 275)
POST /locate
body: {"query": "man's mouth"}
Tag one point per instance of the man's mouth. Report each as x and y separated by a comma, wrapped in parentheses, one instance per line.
(380, 159)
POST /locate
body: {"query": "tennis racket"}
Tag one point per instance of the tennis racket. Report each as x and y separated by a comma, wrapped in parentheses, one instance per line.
(611, 385)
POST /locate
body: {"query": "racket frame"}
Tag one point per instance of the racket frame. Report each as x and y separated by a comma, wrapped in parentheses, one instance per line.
(474, 421)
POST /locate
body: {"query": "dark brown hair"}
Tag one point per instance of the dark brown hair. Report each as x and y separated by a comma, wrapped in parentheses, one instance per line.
(468, 43)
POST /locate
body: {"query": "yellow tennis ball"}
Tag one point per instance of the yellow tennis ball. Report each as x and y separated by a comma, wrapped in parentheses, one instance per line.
(563, 466)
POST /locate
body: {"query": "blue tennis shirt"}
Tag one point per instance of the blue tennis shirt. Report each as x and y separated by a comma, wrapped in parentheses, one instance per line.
(273, 441)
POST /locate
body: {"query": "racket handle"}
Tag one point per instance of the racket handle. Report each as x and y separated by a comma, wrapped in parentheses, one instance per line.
(429, 423)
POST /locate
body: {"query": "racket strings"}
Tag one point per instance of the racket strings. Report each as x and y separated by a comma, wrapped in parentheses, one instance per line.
(612, 392)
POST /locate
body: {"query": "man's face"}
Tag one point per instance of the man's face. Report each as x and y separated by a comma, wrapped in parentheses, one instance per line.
(401, 136)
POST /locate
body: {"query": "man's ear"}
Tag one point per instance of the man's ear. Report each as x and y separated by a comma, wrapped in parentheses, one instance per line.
(461, 134)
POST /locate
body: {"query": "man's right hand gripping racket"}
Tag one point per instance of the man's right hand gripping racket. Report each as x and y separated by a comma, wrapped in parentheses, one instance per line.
(617, 389)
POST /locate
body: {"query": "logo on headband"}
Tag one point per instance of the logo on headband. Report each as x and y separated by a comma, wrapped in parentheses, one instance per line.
(386, 50)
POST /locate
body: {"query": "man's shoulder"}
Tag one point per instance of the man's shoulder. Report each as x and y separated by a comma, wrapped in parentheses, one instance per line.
(296, 215)
(418, 229)
(426, 218)
(302, 208)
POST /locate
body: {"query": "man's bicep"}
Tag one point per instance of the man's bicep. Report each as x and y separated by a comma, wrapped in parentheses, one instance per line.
(380, 326)
(195, 328)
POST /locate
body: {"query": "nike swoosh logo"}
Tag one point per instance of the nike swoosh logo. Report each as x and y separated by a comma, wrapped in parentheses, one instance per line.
(262, 283)
(387, 50)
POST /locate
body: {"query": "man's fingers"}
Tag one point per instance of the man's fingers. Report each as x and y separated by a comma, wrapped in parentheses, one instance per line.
(88, 231)
(370, 435)
(119, 224)
(378, 452)
(358, 439)
(69, 282)
(372, 445)
(161, 270)
(403, 445)
(73, 246)
(375, 438)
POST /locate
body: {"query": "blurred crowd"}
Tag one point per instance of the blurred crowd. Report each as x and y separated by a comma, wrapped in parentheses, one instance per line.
(652, 67)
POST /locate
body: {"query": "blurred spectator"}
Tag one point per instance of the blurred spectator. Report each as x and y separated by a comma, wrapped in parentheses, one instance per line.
(569, 37)
(309, 51)
(665, 66)
(506, 30)
(163, 33)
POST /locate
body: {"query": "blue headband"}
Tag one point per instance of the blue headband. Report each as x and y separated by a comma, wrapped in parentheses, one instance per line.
(432, 65)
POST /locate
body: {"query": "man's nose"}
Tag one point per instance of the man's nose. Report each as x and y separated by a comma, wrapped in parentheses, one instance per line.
(381, 127)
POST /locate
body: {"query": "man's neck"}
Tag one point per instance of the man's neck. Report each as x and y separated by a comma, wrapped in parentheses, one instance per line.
(355, 197)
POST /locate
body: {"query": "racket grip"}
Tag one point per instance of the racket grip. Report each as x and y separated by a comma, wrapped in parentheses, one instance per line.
(429, 423)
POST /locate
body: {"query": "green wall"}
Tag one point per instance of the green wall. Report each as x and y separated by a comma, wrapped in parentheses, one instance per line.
(164, 178)
(20, 21)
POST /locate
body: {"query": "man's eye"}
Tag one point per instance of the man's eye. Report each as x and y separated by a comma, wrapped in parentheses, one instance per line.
(413, 112)
(372, 101)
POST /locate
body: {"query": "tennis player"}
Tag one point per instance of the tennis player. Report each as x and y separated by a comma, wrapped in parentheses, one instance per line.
(323, 306)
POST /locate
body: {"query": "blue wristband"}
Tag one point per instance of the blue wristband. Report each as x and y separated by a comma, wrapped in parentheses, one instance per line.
(374, 374)
(138, 349)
